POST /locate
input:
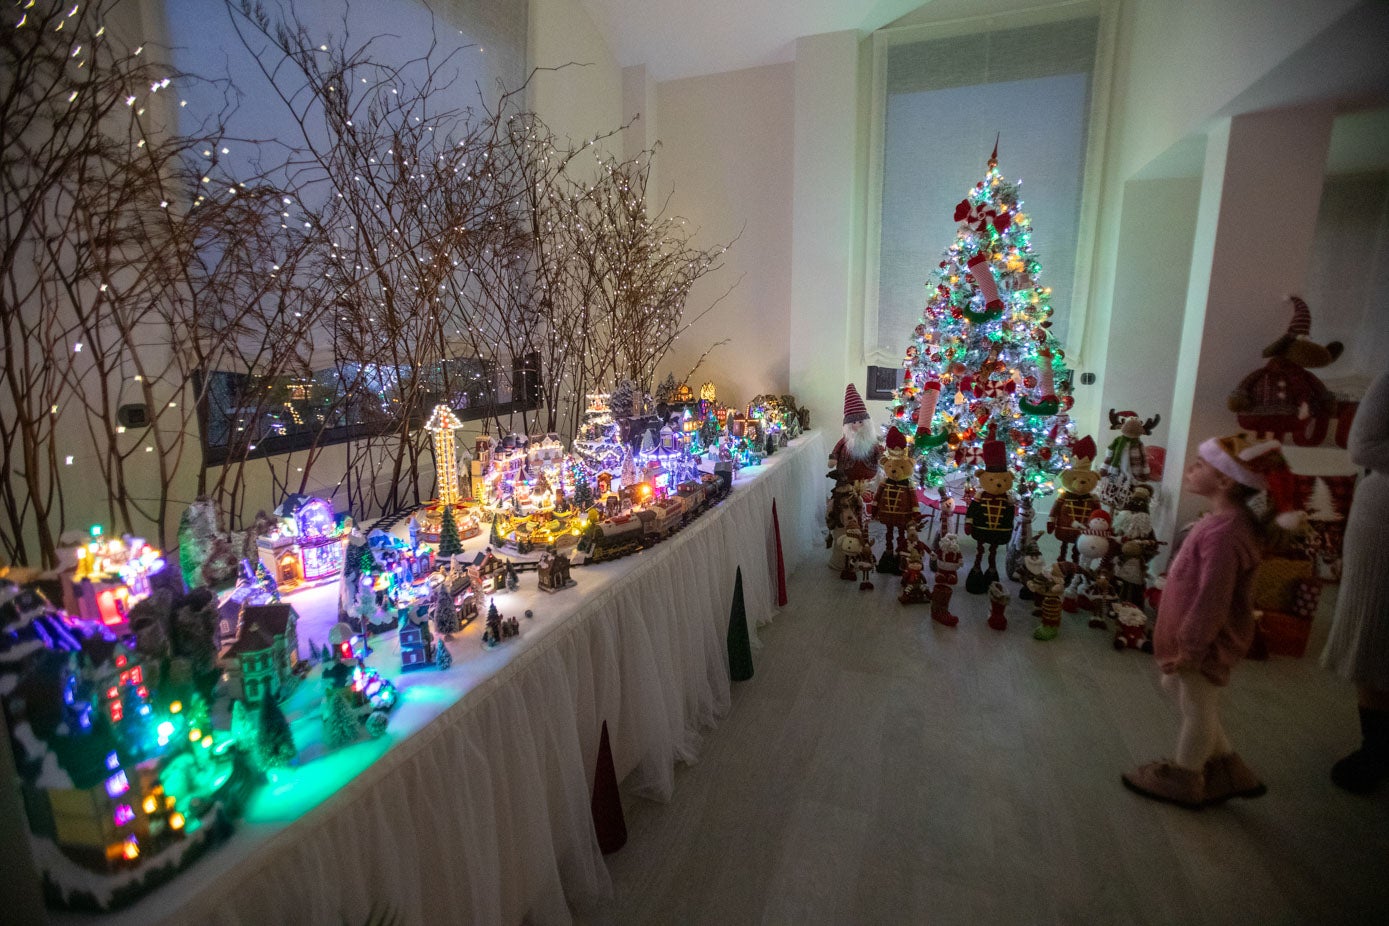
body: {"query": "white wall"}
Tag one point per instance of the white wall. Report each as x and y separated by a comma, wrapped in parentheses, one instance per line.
(1177, 63)
(725, 159)
(584, 97)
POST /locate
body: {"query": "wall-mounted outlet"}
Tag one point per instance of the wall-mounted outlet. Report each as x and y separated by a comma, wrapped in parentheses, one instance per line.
(1087, 379)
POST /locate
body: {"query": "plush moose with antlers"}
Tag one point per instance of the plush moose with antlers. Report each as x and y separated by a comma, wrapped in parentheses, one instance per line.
(1126, 462)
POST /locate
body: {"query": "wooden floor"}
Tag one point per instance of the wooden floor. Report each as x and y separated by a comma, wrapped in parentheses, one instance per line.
(880, 768)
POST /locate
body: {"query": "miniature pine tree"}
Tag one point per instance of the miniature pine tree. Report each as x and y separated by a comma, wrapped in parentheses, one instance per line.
(623, 399)
(339, 724)
(442, 657)
(448, 534)
(583, 494)
(445, 614)
(242, 731)
(983, 358)
(326, 656)
(274, 741)
(366, 562)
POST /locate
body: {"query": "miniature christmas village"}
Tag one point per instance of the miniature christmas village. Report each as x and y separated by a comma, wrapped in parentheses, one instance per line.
(148, 697)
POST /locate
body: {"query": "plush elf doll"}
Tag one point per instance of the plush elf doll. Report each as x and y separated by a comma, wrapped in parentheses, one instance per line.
(914, 587)
(1282, 396)
(1048, 587)
(989, 518)
(1074, 502)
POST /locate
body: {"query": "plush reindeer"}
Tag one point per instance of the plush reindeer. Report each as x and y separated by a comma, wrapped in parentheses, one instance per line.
(1126, 462)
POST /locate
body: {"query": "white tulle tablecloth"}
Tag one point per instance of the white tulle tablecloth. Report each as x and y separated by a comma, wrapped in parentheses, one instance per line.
(475, 806)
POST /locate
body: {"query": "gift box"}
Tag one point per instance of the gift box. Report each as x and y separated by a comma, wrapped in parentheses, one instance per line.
(1279, 633)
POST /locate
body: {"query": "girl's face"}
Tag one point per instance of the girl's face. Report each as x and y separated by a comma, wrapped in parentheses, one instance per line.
(1205, 480)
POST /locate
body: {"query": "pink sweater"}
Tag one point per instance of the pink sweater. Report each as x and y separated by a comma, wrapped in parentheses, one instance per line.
(1205, 621)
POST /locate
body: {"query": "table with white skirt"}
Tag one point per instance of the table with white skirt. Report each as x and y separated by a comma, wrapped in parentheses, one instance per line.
(475, 806)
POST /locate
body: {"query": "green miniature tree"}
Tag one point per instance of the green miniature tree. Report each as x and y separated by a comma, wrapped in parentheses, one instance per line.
(583, 493)
(340, 725)
(274, 741)
(442, 657)
(445, 614)
(448, 534)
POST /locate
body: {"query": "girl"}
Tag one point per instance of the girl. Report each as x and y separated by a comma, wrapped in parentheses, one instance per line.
(1205, 623)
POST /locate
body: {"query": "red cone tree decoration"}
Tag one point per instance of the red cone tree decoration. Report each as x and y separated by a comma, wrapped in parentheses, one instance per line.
(608, 821)
(780, 563)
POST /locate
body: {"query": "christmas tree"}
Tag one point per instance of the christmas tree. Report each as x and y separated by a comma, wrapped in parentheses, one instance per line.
(340, 725)
(274, 742)
(583, 494)
(448, 535)
(445, 614)
(442, 657)
(983, 362)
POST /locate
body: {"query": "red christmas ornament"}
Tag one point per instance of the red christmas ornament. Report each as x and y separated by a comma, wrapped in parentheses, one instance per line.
(1029, 381)
(1044, 453)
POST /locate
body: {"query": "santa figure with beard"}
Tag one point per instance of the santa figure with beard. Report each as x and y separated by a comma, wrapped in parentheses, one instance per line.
(858, 451)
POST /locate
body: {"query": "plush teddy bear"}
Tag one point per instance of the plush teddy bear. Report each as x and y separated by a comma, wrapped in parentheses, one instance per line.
(894, 504)
(989, 518)
(1282, 397)
(1071, 510)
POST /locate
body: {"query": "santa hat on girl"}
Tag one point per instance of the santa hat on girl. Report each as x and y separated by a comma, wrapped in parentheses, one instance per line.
(1258, 465)
(854, 409)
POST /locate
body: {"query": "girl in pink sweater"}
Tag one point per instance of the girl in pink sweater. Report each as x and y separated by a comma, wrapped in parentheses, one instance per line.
(1205, 623)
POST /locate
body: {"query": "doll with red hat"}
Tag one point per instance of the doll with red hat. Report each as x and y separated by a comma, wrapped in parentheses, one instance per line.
(989, 518)
(1071, 510)
(894, 504)
(858, 451)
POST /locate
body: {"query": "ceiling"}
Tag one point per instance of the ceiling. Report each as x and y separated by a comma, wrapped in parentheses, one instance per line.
(690, 38)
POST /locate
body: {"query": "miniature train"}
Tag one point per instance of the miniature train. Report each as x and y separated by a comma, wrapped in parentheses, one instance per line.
(641, 528)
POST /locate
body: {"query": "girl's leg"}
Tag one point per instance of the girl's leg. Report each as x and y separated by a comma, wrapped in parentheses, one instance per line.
(1201, 734)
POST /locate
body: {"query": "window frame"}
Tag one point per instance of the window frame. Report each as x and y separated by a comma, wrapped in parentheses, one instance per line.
(876, 353)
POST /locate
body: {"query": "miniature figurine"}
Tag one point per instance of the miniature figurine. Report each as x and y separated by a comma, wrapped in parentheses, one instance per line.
(1132, 629)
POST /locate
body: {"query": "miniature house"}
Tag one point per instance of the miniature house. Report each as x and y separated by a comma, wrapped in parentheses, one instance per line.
(415, 642)
(260, 662)
(306, 547)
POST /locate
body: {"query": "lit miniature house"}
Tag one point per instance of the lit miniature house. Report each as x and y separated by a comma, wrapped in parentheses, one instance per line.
(306, 547)
(415, 644)
(260, 662)
(109, 577)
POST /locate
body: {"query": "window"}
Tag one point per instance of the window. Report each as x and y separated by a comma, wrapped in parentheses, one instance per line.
(255, 416)
(942, 93)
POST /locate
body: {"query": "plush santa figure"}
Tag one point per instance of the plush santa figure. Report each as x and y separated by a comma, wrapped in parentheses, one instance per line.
(857, 453)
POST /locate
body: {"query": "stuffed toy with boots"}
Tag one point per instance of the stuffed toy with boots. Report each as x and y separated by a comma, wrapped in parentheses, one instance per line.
(1075, 501)
(989, 518)
(894, 504)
